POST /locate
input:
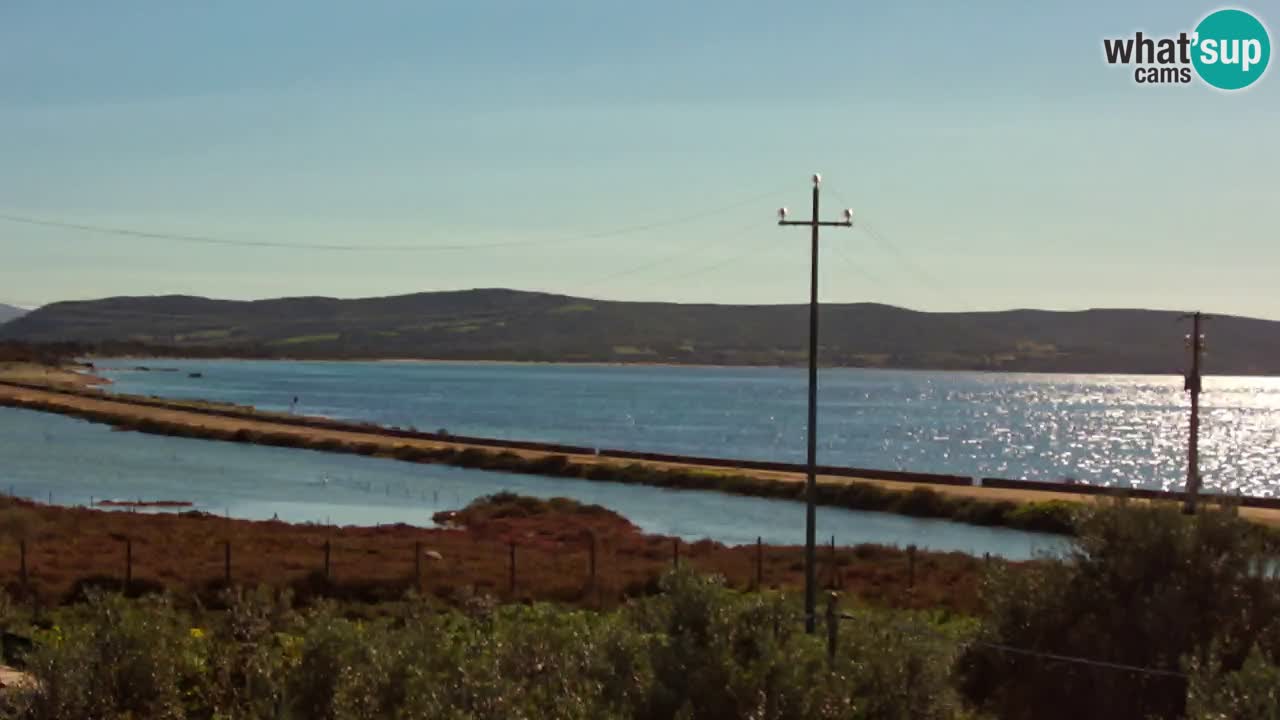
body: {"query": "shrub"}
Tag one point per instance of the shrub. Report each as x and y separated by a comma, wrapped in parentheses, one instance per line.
(921, 502)
(332, 650)
(123, 658)
(471, 457)
(247, 659)
(696, 649)
(1144, 586)
(549, 465)
(720, 654)
(1253, 691)
(1052, 516)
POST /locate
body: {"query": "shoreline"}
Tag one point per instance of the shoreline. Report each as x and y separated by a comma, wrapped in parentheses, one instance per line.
(642, 364)
(1018, 509)
(73, 375)
(1035, 509)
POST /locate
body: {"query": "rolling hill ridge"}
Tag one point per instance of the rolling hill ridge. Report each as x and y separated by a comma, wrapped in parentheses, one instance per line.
(498, 324)
(9, 312)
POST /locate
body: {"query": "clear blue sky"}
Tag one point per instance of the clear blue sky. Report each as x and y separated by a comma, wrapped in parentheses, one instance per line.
(987, 143)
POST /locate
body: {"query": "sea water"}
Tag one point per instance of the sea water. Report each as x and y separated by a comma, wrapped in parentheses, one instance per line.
(1103, 429)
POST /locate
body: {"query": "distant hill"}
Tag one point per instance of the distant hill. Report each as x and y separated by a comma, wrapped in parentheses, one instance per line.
(514, 325)
(9, 312)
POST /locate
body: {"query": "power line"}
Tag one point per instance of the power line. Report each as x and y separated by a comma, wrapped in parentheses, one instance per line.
(926, 278)
(748, 251)
(901, 256)
(348, 247)
(120, 313)
(861, 272)
(1081, 660)
(923, 276)
(730, 237)
(1000, 647)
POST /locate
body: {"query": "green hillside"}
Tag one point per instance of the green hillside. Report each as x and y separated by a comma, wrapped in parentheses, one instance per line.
(514, 325)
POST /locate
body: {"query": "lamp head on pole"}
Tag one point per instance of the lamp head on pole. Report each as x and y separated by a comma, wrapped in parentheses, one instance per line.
(848, 216)
(817, 179)
(782, 214)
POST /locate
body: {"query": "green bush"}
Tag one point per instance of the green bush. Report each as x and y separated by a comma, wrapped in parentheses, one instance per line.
(1253, 691)
(695, 650)
(1144, 586)
(119, 658)
(248, 655)
(1051, 516)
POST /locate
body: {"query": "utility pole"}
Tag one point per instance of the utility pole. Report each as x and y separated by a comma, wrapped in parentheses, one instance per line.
(811, 483)
(1192, 384)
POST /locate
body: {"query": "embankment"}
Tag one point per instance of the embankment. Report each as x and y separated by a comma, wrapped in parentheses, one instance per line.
(932, 496)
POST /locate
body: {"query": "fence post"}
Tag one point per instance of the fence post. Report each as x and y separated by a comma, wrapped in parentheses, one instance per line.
(512, 579)
(759, 563)
(417, 566)
(911, 566)
(675, 553)
(591, 560)
(832, 572)
(128, 563)
(226, 563)
(833, 629)
(327, 552)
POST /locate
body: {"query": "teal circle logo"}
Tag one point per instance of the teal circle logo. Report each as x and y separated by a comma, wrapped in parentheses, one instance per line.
(1232, 49)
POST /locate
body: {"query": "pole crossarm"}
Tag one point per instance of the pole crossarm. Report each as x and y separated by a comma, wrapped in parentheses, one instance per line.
(820, 223)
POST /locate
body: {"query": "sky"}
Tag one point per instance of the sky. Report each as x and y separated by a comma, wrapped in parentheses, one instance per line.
(629, 150)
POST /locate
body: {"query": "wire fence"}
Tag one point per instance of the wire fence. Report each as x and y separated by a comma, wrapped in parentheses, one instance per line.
(520, 572)
(56, 556)
(508, 569)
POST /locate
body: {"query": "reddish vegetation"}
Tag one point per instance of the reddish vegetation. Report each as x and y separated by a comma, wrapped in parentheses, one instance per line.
(555, 525)
(69, 548)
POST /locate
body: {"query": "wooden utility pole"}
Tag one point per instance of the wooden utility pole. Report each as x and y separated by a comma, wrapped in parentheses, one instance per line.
(1192, 384)
(811, 482)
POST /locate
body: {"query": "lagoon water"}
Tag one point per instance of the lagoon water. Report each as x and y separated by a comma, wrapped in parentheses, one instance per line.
(1112, 430)
(71, 462)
